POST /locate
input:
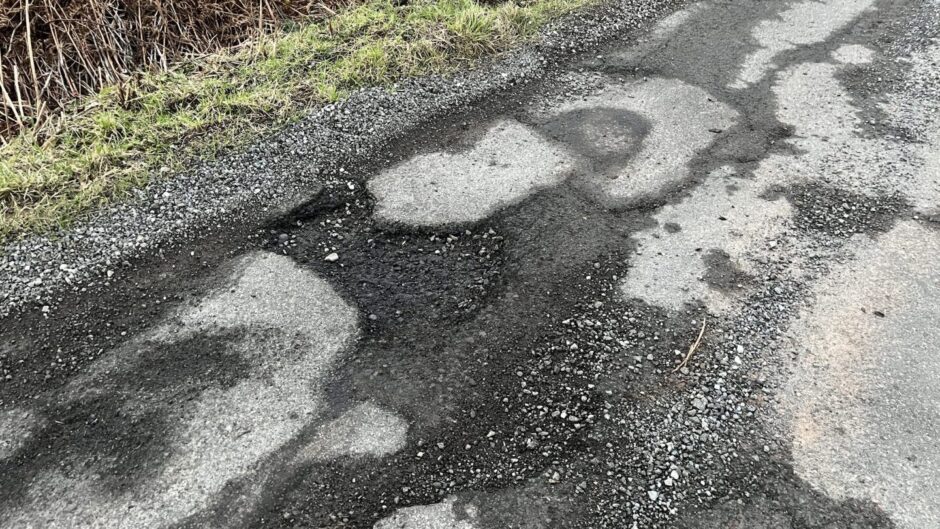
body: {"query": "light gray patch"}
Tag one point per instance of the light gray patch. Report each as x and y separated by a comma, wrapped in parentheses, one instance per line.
(680, 118)
(532, 506)
(447, 514)
(923, 191)
(509, 163)
(669, 270)
(853, 54)
(220, 435)
(863, 402)
(802, 24)
(826, 123)
(16, 426)
(366, 430)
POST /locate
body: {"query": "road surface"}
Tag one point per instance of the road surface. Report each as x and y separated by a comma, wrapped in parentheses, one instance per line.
(689, 280)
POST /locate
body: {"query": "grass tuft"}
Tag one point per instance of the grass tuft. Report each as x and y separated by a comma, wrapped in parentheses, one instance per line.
(108, 144)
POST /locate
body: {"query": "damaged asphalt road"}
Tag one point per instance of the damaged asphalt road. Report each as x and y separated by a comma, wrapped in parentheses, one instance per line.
(485, 326)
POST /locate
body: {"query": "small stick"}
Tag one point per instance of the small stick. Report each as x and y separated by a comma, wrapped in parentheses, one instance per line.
(32, 57)
(19, 96)
(693, 347)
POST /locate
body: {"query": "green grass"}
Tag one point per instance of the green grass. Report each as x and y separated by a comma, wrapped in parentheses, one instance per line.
(110, 143)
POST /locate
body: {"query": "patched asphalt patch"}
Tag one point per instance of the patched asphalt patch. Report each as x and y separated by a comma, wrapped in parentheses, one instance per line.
(532, 391)
(399, 277)
(125, 428)
(548, 403)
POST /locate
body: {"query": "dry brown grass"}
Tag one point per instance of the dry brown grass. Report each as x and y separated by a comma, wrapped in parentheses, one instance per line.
(155, 122)
(54, 51)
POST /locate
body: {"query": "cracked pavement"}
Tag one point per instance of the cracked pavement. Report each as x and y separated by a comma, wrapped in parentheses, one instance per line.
(486, 330)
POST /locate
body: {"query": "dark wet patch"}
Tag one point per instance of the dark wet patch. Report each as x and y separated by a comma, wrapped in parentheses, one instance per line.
(535, 408)
(721, 273)
(706, 50)
(932, 219)
(123, 429)
(40, 354)
(433, 295)
(402, 278)
(867, 85)
(781, 500)
(841, 213)
(605, 139)
(453, 369)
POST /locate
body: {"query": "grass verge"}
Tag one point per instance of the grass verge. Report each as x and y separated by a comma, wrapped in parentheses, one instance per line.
(115, 141)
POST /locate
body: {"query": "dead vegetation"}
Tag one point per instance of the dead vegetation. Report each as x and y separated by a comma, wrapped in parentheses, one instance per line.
(54, 51)
(87, 150)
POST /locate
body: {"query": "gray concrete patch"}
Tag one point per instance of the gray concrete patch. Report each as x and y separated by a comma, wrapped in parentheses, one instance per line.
(921, 114)
(863, 402)
(295, 326)
(853, 54)
(682, 120)
(801, 24)
(364, 430)
(670, 270)
(826, 134)
(509, 163)
(670, 266)
(444, 515)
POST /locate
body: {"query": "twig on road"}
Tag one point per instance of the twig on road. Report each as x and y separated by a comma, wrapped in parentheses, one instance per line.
(693, 347)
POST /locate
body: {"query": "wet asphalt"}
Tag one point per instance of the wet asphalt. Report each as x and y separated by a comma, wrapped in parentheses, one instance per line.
(686, 280)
